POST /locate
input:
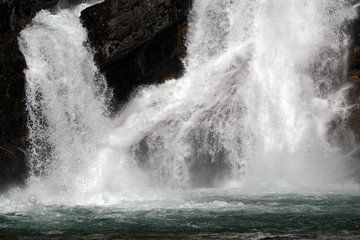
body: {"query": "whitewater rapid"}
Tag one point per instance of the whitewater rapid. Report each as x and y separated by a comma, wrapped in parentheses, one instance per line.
(263, 81)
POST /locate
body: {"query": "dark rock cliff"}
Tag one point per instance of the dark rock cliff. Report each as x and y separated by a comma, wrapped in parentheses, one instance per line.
(354, 63)
(137, 42)
(354, 78)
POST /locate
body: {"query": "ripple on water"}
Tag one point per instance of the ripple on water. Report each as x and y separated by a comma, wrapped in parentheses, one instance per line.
(202, 217)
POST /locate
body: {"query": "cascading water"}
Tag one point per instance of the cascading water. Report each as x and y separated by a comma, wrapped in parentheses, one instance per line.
(262, 83)
(243, 146)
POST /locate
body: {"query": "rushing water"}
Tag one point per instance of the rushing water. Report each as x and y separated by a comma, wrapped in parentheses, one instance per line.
(249, 120)
(196, 215)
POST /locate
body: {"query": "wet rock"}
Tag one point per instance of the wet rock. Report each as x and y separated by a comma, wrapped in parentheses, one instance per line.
(15, 14)
(345, 132)
(353, 121)
(354, 62)
(13, 168)
(137, 42)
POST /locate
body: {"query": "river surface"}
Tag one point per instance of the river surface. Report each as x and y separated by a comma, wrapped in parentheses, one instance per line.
(203, 214)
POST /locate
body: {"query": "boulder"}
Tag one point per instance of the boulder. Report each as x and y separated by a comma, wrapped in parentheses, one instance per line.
(137, 42)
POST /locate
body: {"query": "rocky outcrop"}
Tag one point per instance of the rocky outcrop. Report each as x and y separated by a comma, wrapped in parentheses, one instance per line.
(354, 64)
(137, 42)
(346, 132)
(13, 168)
(354, 78)
(15, 14)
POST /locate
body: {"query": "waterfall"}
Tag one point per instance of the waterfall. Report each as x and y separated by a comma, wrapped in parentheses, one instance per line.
(263, 81)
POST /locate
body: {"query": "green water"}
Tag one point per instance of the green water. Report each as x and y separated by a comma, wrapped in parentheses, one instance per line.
(194, 216)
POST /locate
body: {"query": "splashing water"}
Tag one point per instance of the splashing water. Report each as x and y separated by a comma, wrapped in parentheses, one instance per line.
(262, 83)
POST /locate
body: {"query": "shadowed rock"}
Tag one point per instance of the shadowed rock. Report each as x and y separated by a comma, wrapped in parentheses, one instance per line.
(137, 42)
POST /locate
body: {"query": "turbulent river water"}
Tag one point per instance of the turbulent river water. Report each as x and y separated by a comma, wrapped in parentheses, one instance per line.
(239, 147)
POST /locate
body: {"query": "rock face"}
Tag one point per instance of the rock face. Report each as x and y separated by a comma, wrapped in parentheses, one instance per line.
(15, 14)
(354, 64)
(137, 42)
(354, 78)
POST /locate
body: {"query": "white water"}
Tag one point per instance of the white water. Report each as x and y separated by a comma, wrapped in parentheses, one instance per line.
(262, 83)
